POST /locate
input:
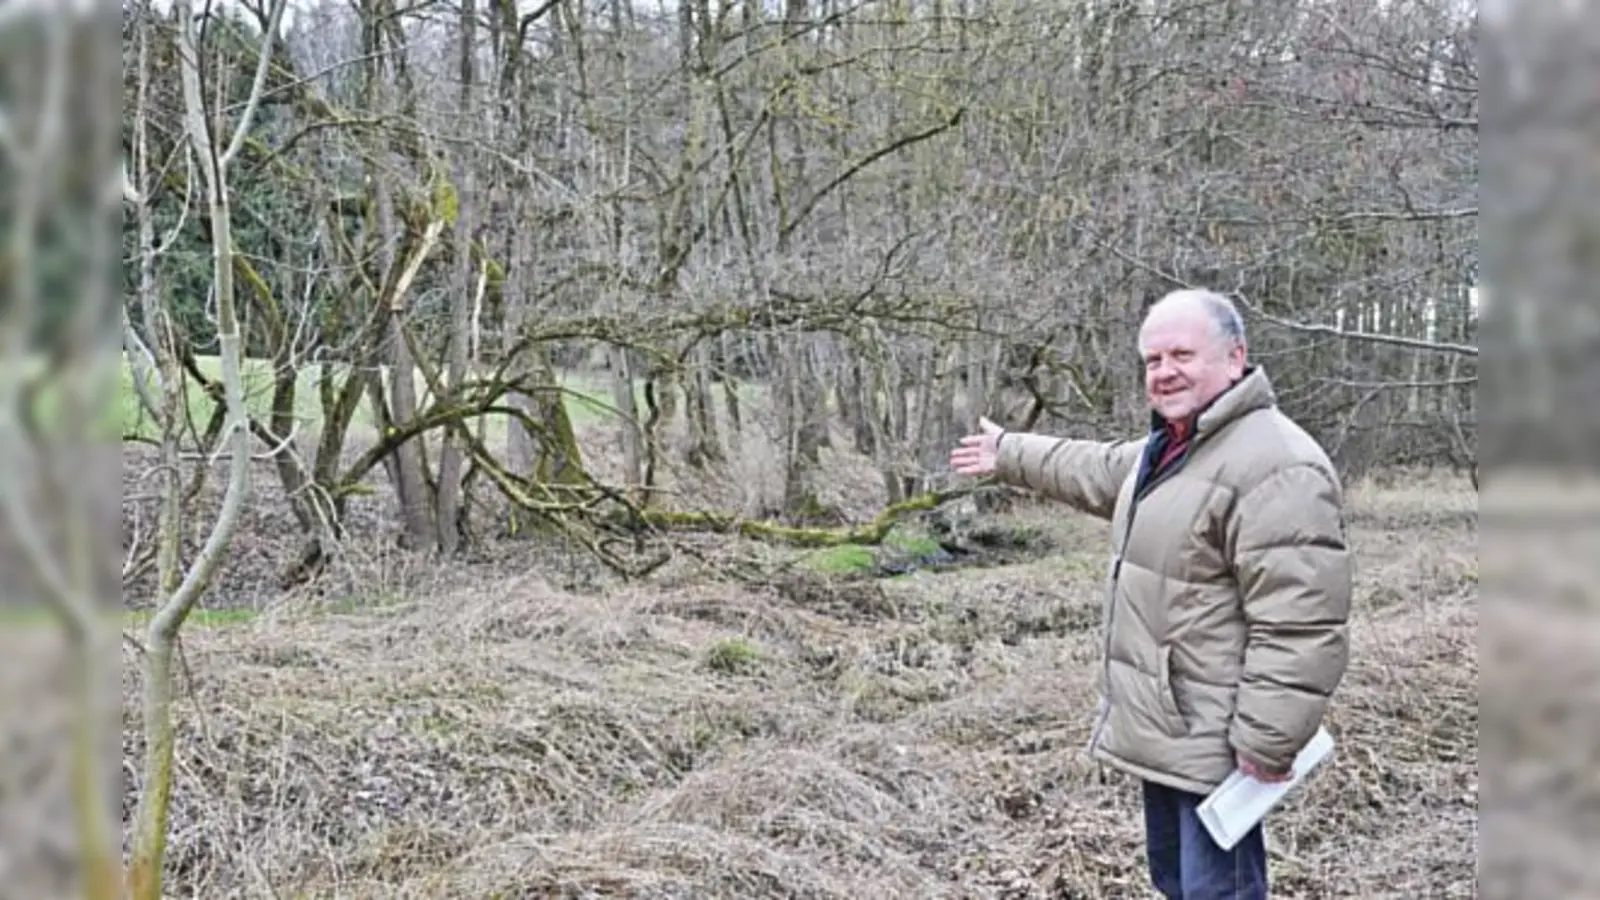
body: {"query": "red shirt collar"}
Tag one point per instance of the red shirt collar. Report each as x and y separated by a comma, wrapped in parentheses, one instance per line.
(1180, 430)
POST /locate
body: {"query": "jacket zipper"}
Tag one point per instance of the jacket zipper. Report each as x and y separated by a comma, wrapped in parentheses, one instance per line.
(1116, 575)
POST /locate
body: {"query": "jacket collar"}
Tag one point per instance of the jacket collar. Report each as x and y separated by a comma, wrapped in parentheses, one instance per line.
(1251, 392)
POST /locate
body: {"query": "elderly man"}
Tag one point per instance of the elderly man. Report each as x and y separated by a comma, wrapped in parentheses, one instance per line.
(1225, 615)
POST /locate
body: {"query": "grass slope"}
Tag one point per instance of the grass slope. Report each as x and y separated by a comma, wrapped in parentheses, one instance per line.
(915, 737)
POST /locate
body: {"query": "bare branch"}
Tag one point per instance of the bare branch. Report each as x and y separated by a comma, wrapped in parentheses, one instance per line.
(1392, 340)
(263, 64)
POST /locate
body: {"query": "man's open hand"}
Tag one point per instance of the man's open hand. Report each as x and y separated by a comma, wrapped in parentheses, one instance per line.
(976, 453)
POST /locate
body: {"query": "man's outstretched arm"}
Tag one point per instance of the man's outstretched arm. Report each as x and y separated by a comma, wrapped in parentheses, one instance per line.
(1086, 475)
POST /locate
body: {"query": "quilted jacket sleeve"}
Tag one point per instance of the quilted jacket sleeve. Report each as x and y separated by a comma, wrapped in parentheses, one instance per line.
(1086, 475)
(1287, 541)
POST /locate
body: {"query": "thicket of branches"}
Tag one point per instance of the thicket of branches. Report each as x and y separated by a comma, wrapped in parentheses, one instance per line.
(865, 222)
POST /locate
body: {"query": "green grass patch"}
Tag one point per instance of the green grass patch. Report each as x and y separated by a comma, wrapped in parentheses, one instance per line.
(845, 559)
(256, 379)
(912, 543)
(588, 398)
(35, 616)
(733, 655)
(852, 559)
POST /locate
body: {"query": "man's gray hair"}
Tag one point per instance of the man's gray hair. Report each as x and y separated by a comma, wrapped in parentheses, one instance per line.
(1224, 315)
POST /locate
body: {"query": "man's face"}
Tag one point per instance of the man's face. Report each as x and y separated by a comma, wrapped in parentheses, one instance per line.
(1186, 362)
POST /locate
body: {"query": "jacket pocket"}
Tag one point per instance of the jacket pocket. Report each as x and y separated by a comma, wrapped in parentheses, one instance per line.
(1170, 713)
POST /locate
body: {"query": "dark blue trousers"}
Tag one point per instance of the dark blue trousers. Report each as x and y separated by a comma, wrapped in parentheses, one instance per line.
(1186, 864)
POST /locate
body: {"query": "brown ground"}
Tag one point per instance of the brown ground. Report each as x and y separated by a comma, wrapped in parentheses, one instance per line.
(500, 736)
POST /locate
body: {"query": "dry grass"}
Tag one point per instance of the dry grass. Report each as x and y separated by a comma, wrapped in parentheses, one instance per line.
(917, 737)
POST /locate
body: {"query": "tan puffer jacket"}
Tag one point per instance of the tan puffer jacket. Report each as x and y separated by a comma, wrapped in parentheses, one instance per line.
(1229, 590)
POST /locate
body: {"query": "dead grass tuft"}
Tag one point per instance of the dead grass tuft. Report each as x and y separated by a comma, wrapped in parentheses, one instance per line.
(660, 861)
(802, 799)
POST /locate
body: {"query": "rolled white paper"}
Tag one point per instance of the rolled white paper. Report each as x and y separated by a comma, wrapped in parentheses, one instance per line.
(1241, 802)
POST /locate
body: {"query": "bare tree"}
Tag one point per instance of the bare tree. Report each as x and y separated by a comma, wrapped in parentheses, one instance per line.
(182, 584)
(870, 221)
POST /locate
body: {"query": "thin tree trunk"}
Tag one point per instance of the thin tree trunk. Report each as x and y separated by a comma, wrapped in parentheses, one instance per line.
(857, 403)
(448, 501)
(411, 487)
(704, 446)
(622, 397)
(792, 380)
(730, 390)
(149, 839)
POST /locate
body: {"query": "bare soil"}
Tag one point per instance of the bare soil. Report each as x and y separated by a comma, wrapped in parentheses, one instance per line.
(511, 730)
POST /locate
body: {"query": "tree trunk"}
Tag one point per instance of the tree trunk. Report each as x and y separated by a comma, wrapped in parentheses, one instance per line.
(408, 466)
(447, 517)
(622, 397)
(703, 446)
(857, 405)
(732, 378)
(895, 431)
(149, 838)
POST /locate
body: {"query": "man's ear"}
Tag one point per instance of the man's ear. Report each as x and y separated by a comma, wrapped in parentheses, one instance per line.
(1237, 355)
